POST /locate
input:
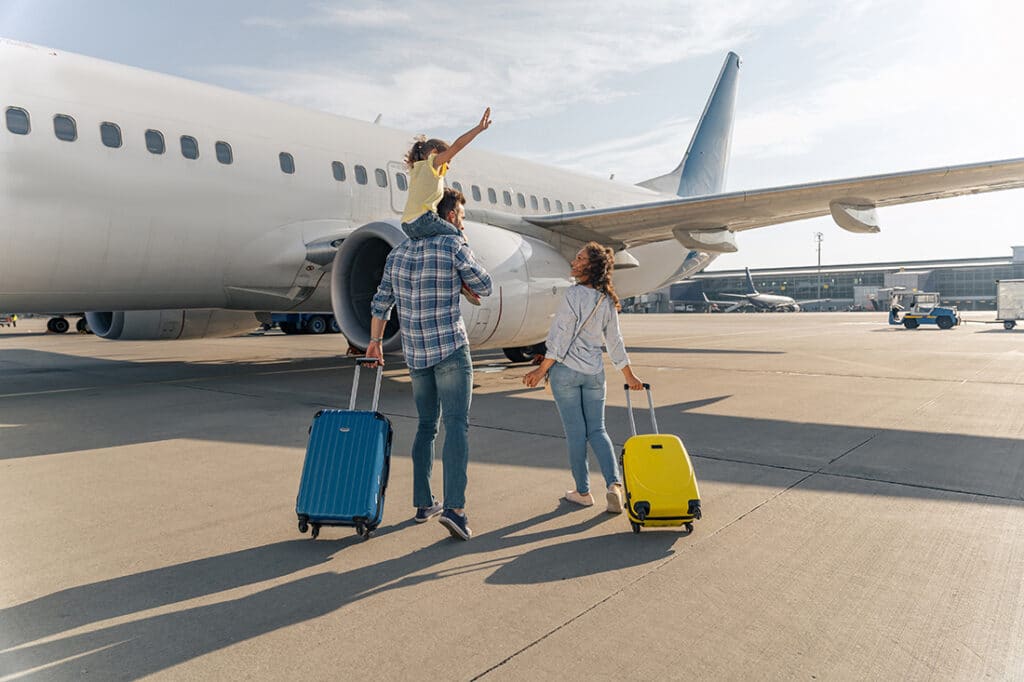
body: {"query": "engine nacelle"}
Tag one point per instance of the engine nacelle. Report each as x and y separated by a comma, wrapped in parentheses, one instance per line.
(147, 325)
(528, 276)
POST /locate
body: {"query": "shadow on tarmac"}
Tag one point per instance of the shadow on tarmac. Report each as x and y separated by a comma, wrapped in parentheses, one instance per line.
(158, 642)
(272, 403)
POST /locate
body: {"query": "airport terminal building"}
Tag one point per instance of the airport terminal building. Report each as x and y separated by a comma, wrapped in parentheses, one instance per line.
(968, 283)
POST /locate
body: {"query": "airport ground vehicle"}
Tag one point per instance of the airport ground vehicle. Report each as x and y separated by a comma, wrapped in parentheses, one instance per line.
(1009, 302)
(6, 320)
(305, 323)
(914, 308)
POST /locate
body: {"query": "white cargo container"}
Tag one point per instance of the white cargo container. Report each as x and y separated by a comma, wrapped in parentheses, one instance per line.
(1009, 302)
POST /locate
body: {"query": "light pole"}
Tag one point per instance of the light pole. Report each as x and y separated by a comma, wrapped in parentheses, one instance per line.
(817, 238)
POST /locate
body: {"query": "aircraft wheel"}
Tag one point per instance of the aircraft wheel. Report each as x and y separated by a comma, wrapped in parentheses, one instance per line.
(60, 325)
(82, 326)
(317, 325)
(517, 354)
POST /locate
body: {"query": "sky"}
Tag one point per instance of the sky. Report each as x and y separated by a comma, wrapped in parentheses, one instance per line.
(827, 90)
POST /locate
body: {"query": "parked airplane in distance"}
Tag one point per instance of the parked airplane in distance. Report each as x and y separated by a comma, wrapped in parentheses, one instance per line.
(768, 302)
(172, 209)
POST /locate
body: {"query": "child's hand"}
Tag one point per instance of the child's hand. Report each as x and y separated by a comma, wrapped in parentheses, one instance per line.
(485, 120)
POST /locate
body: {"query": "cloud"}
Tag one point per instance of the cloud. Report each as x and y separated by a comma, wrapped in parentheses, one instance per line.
(368, 15)
(527, 61)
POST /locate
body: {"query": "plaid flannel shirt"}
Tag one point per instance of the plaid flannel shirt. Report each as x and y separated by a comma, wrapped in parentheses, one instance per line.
(424, 277)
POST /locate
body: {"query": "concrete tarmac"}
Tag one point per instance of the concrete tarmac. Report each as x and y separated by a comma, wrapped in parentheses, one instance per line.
(862, 486)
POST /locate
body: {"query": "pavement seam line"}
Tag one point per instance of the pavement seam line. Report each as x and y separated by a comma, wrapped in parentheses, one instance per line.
(654, 569)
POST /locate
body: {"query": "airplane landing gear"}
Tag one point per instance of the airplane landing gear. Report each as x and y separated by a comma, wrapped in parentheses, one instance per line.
(57, 325)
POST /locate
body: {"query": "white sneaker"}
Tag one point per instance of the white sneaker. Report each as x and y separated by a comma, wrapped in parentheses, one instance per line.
(615, 498)
(582, 500)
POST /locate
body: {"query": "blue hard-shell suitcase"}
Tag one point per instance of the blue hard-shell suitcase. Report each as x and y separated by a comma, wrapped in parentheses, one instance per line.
(345, 472)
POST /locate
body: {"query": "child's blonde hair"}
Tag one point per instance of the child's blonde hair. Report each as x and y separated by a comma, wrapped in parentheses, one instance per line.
(422, 148)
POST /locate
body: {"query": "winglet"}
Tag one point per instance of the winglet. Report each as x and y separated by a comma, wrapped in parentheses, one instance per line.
(702, 170)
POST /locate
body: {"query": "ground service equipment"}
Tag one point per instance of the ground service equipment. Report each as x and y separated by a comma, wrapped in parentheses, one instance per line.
(1009, 302)
(914, 308)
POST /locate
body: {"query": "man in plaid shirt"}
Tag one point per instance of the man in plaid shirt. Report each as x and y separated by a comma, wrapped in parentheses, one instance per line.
(423, 277)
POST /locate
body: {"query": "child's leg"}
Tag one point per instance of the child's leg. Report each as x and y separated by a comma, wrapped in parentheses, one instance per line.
(429, 225)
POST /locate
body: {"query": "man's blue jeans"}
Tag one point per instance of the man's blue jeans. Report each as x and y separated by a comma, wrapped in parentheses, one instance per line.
(580, 402)
(444, 390)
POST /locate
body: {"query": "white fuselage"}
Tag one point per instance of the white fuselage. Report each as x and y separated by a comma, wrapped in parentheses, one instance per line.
(84, 226)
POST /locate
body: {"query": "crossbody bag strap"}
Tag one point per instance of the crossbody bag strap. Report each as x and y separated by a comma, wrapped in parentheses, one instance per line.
(578, 330)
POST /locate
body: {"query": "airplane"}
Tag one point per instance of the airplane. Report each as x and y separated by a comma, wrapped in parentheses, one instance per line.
(768, 302)
(171, 209)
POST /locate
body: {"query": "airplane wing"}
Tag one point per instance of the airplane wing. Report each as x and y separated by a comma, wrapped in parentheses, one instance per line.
(850, 201)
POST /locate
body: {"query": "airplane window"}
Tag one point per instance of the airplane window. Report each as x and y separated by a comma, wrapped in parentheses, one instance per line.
(110, 133)
(401, 181)
(533, 202)
(224, 154)
(521, 200)
(382, 177)
(491, 195)
(287, 162)
(571, 207)
(155, 141)
(476, 193)
(507, 196)
(361, 175)
(189, 147)
(338, 168)
(64, 128)
(17, 121)
(558, 205)
(457, 186)
(547, 204)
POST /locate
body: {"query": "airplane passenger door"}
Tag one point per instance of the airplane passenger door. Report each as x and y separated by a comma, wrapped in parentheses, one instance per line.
(399, 182)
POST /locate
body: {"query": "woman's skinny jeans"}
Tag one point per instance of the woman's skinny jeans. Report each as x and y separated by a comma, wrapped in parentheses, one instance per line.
(580, 402)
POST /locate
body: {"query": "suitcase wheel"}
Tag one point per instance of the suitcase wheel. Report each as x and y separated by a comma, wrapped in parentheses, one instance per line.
(363, 530)
(636, 526)
(303, 526)
(315, 531)
(688, 526)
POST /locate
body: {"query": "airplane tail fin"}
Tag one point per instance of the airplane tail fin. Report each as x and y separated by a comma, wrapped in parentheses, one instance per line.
(750, 282)
(702, 170)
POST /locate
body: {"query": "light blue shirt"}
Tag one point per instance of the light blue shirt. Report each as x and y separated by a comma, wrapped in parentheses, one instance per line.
(584, 355)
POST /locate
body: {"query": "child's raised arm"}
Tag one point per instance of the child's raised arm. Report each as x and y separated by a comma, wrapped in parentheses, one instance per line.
(464, 139)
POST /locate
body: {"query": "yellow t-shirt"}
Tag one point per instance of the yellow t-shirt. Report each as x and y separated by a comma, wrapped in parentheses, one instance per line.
(426, 187)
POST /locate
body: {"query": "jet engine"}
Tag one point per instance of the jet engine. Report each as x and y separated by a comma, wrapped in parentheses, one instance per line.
(356, 273)
(528, 279)
(145, 325)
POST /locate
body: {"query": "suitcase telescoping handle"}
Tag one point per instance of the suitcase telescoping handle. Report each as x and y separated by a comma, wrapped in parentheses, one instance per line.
(355, 383)
(650, 403)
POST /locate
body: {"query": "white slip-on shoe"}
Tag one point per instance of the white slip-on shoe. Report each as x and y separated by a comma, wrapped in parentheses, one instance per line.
(582, 500)
(615, 498)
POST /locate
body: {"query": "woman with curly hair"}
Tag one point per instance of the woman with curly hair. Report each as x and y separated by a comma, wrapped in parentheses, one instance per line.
(587, 318)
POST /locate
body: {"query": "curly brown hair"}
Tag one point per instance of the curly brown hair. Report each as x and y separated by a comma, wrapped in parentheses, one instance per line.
(600, 262)
(422, 148)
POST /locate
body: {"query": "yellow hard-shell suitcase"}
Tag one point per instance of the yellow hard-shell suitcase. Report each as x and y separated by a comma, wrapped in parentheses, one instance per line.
(661, 488)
